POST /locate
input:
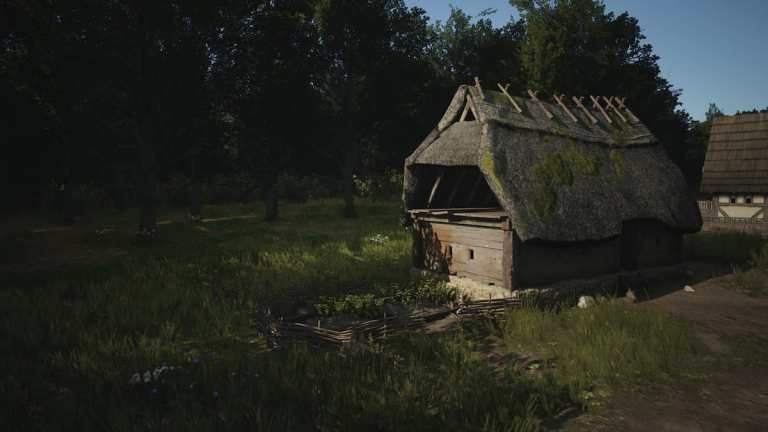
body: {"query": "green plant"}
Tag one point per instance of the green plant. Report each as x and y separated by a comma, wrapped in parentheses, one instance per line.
(606, 343)
(384, 186)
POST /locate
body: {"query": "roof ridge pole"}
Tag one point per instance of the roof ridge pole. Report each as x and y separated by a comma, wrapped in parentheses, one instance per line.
(473, 107)
(479, 88)
(620, 102)
(532, 94)
(559, 100)
(466, 110)
(511, 100)
(578, 103)
(596, 104)
(609, 104)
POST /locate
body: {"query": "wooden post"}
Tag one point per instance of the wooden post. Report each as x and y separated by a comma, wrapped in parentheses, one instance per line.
(510, 258)
(434, 189)
(620, 103)
(565, 108)
(596, 104)
(464, 113)
(473, 107)
(511, 100)
(609, 104)
(589, 115)
(479, 88)
(532, 94)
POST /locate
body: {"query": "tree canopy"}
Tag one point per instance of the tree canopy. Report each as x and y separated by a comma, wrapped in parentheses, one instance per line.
(125, 94)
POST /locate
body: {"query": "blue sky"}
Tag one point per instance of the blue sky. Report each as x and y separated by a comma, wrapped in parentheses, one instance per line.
(713, 50)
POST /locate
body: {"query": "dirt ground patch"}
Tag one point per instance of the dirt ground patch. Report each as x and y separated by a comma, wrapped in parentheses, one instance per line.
(733, 396)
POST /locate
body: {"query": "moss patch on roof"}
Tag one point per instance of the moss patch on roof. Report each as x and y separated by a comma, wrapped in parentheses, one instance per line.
(618, 162)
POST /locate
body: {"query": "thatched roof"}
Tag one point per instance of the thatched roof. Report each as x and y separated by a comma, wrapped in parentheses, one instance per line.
(737, 156)
(558, 180)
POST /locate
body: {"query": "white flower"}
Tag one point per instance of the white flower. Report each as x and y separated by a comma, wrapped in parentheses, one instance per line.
(378, 238)
(135, 379)
(147, 376)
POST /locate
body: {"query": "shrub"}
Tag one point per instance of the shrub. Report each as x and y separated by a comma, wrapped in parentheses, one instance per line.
(302, 189)
(387, 185)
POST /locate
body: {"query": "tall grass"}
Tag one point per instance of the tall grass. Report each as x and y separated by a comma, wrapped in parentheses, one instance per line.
(73, 341)
(608, 343)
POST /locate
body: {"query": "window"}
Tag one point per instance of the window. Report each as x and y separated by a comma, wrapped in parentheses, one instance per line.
(748, 199)
(733, 199)
(471, 254)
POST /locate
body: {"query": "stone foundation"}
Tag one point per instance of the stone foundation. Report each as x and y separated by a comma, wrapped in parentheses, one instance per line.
(564, 291)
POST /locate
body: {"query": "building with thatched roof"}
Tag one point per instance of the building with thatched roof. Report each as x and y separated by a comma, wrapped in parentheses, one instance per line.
(734, 181)
(521, 193)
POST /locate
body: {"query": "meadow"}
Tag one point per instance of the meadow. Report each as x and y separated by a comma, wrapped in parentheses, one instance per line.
(165, 334)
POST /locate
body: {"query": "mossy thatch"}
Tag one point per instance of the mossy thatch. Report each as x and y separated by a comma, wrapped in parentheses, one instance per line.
(550, 179)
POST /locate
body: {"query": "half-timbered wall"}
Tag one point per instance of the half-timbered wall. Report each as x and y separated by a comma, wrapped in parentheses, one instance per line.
(738, 212)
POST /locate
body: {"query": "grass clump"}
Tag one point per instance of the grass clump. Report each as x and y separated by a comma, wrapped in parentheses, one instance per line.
(608, 343)
(754, 282)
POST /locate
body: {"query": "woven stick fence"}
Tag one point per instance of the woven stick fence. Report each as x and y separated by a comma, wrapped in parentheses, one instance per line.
(384, 328)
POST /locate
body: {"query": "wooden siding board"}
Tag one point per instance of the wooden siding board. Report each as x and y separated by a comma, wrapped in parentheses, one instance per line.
(451, 244)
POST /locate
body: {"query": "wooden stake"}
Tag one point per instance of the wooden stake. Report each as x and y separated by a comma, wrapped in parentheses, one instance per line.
(620, 102)
(479, 88)
(532, 94)
(511, 100)
(464, 113)
(596, 104)
(609, 104)
(473, 107)
(434, 189)
(589, 115)
(559, 100)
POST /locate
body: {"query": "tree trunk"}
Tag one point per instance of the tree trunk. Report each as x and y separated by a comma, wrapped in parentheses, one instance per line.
(349, 185)
(147, 188)
(195, 201)
(271, 198)
(271, 204)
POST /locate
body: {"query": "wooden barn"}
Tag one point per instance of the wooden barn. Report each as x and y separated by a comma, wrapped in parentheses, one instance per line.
(734, 182)
(519, 192)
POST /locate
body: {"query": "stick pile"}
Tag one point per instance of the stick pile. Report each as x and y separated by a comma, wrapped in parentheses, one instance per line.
(384, 328)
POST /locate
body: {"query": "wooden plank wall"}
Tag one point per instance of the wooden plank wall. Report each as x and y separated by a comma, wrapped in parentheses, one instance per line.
(470, 251)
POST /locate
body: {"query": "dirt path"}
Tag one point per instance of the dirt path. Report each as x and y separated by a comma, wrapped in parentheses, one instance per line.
(733, 397)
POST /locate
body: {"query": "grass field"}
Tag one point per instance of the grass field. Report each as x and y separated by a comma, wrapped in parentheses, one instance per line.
(161, 335)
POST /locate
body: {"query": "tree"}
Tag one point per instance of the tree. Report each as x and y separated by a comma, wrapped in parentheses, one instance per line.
(361, 43)
(575, 47)
(266, 58)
